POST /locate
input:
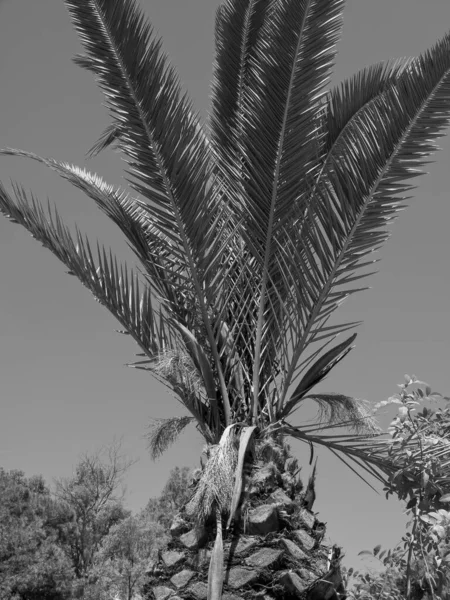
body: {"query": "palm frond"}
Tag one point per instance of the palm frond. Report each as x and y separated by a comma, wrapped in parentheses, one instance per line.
(215, 487)
(358, 194)
(166, 149)
(316, 374)
(114, 286)
(111, 135)
(118, 289)
(163, 433)
(291, 67)
(374, 454)
(133, 219)
(344, 103)
(368, 452)
(337, 409)
(238, 23)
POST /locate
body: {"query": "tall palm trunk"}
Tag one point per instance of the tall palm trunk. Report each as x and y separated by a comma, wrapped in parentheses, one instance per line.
(274, 550)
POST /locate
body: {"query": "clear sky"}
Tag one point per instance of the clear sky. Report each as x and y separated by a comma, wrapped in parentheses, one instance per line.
(64, 387)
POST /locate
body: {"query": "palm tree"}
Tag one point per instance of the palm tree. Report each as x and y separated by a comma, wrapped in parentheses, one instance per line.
(250, 233)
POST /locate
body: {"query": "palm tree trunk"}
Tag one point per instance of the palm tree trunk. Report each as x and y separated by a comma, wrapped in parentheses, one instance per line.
(274, 552)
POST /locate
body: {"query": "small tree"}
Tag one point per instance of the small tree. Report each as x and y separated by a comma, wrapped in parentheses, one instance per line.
(419, 567)
(123, 560)
(176, 493)
(95, 497)
(32, 564)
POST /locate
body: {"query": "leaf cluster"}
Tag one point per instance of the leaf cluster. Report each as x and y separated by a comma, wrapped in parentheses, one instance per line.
(420, 565)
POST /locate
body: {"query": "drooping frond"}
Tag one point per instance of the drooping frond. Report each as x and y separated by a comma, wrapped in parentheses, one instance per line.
(132, 218)
(115, 286)
(163, 433)
(375, 454)
(337, 409)
(118, 289)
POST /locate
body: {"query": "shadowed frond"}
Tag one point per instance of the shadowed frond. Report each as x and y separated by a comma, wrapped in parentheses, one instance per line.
(163, 433)
(316, 374)
(111, 134)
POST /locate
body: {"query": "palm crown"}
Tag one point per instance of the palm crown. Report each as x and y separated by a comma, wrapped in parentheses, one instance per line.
(252, 231)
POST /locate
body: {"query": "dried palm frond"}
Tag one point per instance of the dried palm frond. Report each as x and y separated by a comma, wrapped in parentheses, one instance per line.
(163, 433)
(270, 449)
(340, 410)
(177, 366)
(216, 485)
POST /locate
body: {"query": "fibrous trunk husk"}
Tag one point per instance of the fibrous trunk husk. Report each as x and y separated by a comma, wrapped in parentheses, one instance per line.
(274, 550)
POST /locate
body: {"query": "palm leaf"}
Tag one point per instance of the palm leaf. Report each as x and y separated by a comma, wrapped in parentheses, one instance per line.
(216, 570)
(111, 134)
(133, 219)
(344, 103)
(244, 441)
(316, 373)
(166, 149)
(238, 23)
(280, 136)
(163, 433)
(116, 287)
(357, 195)
(338, 410)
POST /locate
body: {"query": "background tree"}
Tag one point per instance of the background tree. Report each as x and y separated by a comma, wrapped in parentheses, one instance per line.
(123, 561)
(33, 564)
(94, 495)
(419, 566)
(175, 494)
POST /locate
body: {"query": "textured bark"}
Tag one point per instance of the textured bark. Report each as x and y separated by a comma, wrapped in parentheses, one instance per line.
(274, 552)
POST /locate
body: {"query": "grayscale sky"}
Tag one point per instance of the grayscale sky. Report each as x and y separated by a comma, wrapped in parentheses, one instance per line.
(64, 387)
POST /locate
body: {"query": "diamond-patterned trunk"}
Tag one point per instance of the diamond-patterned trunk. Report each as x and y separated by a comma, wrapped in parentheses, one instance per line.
(275, 550)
